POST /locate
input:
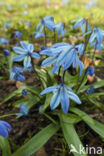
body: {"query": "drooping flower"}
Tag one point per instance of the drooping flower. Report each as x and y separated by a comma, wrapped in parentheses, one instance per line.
(47, 22)
(61, 94)
(25, 53)
(4, 40)
(90, 71)
(6, 25)
(91, 4)
(5, 128)
(91, 90)
(16, 74)
(24, 92)
(6, 52)
(60, 29)
(96, 38)
(82, 23)
(28, 23)
(63, 54)
(23, 110)
(18, 34)
(39, 34)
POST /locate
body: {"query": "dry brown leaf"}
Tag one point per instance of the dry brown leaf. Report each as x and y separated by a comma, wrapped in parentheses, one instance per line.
(20, 84)
(91, 78)
(86, 61)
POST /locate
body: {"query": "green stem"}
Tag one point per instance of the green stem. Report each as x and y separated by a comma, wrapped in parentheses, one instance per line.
(3, 116)
(45, 39)
(51, 119)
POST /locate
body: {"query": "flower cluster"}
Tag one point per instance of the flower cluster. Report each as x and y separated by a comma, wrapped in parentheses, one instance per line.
(65, 55)
(48, 22)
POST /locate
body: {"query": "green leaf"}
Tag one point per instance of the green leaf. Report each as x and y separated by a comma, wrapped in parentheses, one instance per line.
(18, 92)
(69, 117)
(96, 102)
(71, 137)
(11, 95)
(36, 142)
(5, 147)
(95, 125)
(95, 85)
(82, 115)
(28, 101)
(47, 102)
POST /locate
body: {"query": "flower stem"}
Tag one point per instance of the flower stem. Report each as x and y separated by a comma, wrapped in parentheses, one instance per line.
(6, 115)
(45, 39)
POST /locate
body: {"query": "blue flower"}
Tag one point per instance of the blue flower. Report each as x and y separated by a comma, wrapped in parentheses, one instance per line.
(90, 71)
(61, 94)
(96, 38)
(25, 12)
(5, 128)
(39, 34)
(48, 22)
(23, 110)
(6, 25)
(91, 90)
(24, 92)
(25, 53)
(90, 4)
(97, 35)
(63, 54)
(60, 29)
(6, 52)
(15, 73)
(18, 34)
(4, 41)
(28, 23)
(82, 23)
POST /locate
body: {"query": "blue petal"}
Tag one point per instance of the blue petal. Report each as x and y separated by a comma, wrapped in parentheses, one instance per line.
(24, 109)
(55, 68)
(19, 114)
(24, 45)
(55, 101)
(7, 125)
(19, 58)
(64, 100)
(77, 24)
(27, 61)
(3, 131)
(30, 47)
(81, 65)
(63, 55)
(48, 90)
(49, 61)
(74, 97)
(19, 50)
(35, 55)
(69, 59)
(38, 35)
(59, 44)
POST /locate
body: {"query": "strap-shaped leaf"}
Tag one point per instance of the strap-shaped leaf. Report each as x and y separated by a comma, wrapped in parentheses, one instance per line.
(72, 138)
(95, 125)
(4, 145)
(34, 144)
(19, 91)
(95, 85)
(82, 115)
